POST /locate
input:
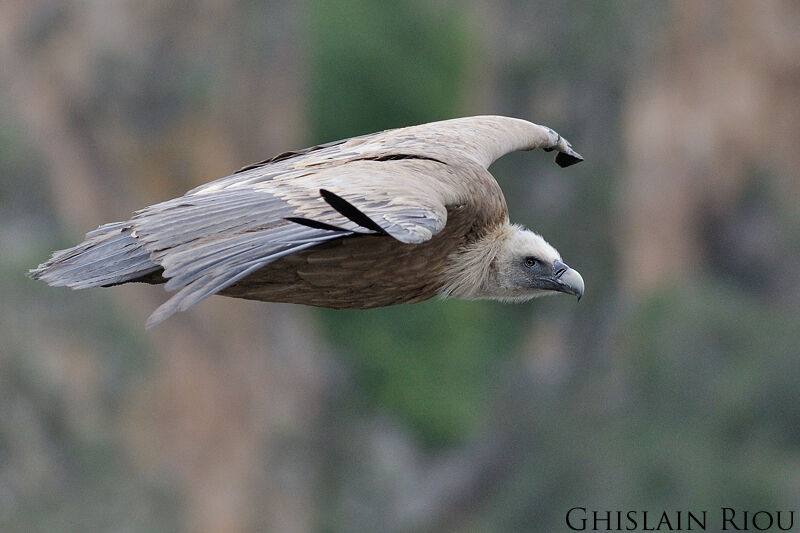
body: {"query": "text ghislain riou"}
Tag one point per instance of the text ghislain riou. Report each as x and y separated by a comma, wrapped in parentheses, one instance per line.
(727, 519)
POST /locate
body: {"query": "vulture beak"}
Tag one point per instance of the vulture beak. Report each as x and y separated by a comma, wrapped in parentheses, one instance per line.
(567, 279)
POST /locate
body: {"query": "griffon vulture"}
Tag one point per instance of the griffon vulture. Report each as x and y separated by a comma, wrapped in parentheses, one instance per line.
(397, 216)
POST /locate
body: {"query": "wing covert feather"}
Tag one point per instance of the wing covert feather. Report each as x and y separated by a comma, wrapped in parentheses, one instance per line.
(209, 240)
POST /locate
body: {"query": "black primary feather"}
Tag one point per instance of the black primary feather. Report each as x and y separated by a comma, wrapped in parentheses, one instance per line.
(351, 212)
(314, 224)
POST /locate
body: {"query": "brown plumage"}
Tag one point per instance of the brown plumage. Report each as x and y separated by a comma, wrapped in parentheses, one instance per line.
(397, 216)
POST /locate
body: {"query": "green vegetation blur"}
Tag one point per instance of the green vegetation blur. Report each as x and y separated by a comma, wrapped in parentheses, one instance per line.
(374, 67)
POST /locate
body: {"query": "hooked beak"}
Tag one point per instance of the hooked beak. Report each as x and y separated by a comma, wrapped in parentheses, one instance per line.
(567, 279)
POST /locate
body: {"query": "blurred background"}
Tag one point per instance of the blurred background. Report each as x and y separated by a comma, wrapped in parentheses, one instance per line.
(674, 384)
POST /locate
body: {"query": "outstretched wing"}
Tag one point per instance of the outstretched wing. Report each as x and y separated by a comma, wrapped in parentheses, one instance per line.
(211, 239)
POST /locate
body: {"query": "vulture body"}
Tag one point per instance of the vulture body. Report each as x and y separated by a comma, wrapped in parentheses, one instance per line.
(397, 216)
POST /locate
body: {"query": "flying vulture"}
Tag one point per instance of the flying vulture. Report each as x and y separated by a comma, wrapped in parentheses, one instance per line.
(396, 216)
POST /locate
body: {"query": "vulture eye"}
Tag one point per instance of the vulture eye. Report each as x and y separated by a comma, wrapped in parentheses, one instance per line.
(530, 262)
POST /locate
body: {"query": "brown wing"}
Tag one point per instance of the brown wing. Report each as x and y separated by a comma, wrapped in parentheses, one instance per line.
(207, 241)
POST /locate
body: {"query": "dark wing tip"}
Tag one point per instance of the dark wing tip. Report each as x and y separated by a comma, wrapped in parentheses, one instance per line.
(350, 211)
(314, 224)
(565, 159)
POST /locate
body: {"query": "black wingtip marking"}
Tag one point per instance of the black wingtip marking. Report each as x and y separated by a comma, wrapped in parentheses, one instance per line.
(399, 157)
(290, 154)
(564, 159)
(316, 224)
(350, 211)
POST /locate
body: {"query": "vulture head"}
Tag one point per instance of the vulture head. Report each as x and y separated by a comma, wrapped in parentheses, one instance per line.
(526, 266)
(513, 264)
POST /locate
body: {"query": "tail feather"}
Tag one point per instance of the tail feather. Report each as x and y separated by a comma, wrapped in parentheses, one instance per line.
(110, 255)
